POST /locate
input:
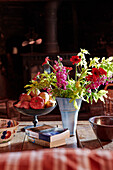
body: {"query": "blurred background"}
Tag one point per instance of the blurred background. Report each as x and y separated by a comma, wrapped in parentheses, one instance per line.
(30, 30)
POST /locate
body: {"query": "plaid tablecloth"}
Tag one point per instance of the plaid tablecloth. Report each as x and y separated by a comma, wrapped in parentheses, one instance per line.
(57, 159)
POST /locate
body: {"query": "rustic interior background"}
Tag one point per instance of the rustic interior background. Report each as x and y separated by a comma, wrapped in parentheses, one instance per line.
(75, 23)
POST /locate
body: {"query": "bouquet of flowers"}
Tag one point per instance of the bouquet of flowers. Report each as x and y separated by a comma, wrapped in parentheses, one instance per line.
(90, 74)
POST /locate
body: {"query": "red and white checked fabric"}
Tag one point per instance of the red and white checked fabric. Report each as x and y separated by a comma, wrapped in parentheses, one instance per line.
(57, 159)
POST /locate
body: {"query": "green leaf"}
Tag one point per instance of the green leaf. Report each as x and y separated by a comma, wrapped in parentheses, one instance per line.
(75, 104)
(71, 100)
(28, 85)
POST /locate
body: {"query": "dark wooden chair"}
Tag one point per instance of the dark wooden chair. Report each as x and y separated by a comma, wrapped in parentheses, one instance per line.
(5, 101)
(108, 105)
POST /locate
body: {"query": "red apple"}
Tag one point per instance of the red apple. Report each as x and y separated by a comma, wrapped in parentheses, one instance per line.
(45, 96)
(37, 103)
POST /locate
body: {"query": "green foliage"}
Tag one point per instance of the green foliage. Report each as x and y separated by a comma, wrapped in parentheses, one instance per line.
(77, 88)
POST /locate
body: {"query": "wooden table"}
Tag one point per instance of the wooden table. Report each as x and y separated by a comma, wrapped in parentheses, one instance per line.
(20, 143)
(86, 138)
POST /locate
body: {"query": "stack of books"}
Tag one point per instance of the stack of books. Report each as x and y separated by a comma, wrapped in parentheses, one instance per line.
(48, 136)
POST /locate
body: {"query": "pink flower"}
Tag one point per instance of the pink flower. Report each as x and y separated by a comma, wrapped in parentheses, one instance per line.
(61, 76)
(60, 58)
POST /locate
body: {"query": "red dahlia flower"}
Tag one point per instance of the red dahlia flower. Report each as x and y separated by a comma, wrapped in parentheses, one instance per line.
(96, 72)
(91, 78)
(75, 59)
(102, 71)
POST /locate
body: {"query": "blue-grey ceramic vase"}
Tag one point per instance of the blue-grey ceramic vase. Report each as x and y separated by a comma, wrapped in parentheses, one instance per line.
(68, 113)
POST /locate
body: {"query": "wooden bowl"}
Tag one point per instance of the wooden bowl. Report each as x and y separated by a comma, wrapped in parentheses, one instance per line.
(103, 127)
(8, 128)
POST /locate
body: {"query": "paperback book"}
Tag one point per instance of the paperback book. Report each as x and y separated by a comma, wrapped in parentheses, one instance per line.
(48, 133)
(47, 144)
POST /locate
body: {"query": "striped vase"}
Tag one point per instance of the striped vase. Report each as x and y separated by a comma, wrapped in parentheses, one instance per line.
(68, 113)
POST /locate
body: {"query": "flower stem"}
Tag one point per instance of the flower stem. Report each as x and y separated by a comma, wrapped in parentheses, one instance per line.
(51, 67)
(75, 72)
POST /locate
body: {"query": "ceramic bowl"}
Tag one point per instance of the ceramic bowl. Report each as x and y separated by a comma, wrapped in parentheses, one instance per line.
(8, 128)
(103, 127)
(34, 112)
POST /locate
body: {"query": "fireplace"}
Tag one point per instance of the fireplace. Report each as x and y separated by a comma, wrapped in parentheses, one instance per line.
(32, 63)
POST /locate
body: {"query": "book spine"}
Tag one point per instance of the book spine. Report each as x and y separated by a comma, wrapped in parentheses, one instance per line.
(38, 136)
(47, 144)
(38, 141)
(32, 134)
